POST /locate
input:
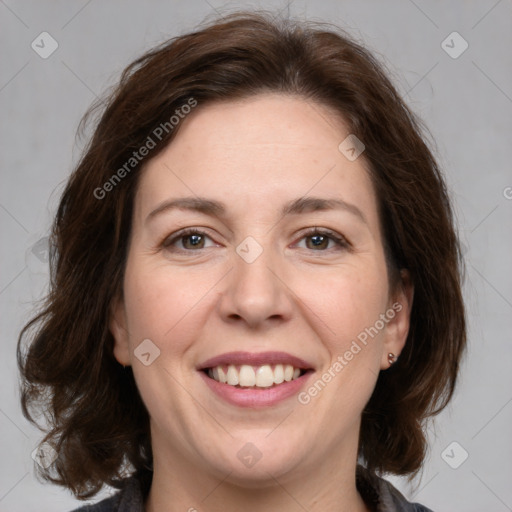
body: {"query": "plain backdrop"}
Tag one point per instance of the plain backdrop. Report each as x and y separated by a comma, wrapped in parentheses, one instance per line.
(464, 98)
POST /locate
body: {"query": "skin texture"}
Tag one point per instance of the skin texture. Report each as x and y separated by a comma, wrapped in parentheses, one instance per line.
(194, 303)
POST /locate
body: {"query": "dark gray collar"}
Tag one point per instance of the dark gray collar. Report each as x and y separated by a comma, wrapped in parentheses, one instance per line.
(381, 496)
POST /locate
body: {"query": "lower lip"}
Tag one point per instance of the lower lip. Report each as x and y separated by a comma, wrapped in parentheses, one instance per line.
(256, 397)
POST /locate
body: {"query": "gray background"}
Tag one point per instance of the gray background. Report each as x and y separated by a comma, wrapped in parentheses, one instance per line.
(465, 101)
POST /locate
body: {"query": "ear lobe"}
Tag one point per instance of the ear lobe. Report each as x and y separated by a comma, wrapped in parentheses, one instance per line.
(117, 326)
(398, 327)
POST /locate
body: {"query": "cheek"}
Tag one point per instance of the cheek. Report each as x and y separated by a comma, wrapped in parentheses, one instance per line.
(351, 306)
(160, 304)
(347, 302)
(166, 308)
(347, 306)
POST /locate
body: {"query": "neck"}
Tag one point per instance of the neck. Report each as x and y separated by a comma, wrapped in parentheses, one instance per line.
(329, 486)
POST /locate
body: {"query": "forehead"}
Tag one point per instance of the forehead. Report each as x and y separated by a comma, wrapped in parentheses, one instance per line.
(267, 122)
(258, 152)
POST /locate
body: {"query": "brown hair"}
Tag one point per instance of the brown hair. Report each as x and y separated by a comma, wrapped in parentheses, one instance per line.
(96, 419)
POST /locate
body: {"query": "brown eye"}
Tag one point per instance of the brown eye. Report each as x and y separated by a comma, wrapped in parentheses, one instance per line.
(319, 240)
(192, 241)
(187, 240)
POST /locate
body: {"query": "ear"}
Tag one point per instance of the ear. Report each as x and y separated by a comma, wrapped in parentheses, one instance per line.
(397, 328)
(118, 328)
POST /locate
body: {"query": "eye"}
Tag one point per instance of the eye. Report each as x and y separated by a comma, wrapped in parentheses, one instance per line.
(191, 239)
(186, 240)
(320, 240)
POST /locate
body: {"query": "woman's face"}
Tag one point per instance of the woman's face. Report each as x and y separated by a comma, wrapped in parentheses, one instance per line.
(267, 280)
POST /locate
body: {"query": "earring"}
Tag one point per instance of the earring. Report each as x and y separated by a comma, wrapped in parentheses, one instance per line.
(392, 358)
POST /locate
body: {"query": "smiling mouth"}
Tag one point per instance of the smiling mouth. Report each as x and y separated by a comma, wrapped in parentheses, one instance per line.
(249, 376)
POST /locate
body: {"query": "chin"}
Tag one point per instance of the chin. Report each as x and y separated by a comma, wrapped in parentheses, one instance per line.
(257, 463)
(263, 474)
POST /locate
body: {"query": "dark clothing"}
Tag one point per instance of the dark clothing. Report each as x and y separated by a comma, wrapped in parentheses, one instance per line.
(378, 494)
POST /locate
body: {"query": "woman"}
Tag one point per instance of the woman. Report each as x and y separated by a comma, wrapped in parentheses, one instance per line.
(255, 297)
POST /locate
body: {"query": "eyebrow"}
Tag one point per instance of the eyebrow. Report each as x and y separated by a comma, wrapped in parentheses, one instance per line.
(218, 209)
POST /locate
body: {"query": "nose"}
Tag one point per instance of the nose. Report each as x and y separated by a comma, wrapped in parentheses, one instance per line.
(256, 292)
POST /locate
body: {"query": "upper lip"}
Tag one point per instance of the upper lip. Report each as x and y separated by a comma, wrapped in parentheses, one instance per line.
(255, 359)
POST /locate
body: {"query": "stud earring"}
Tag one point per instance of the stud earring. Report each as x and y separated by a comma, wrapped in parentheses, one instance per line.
(392, 358)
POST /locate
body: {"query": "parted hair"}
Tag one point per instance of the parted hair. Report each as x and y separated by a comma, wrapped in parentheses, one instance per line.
(86, 403)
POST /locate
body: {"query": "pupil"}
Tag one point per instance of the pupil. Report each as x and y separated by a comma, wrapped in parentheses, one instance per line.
(318, 240)
(194, 240)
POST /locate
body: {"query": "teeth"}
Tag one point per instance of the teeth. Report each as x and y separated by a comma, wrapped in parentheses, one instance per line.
(278, 374)
(247, 376)
(222, 375)
(233, 376)
(264, 376)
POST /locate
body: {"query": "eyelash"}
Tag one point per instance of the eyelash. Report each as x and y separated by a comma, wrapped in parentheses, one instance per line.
(340, 241)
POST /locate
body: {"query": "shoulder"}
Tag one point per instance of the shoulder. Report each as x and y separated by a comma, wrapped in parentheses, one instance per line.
(382, 495)
(128, 499)
(107, 505)
(392, 495)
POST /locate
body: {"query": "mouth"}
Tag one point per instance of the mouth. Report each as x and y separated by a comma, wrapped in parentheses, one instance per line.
(255, 371)
(249, 376)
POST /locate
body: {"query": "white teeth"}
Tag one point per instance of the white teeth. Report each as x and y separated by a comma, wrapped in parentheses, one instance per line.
(247, 376)
(288, 372)
(222, 375)
(278, 374)
(264, 376)
(233, 378)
